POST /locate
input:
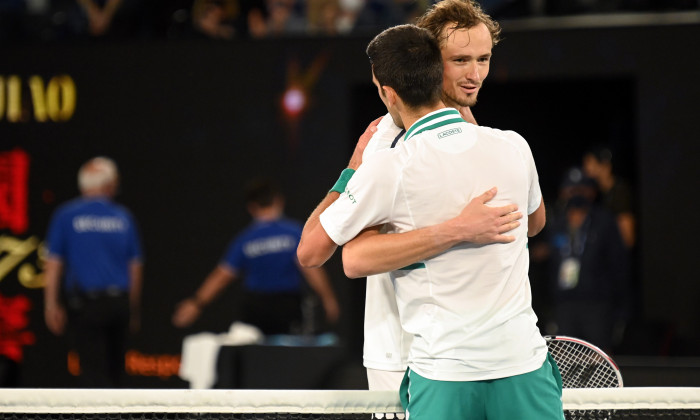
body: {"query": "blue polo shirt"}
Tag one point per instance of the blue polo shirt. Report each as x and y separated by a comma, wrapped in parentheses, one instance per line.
(96, 239)
(265, 253)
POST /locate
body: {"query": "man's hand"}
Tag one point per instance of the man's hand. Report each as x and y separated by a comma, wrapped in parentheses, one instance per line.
(134, 320)
(55, 317)
(356, 158)
(482, 224)
(332, 310)
(372, 252)
(186, 313)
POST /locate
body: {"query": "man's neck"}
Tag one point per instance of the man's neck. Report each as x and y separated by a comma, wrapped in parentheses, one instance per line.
(410, 115)
(267, 214)
(464, 110)
(96, 194)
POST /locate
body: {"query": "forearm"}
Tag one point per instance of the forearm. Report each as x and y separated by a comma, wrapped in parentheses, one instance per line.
(625, 222)
(372, 252)
(478, 223)
(315, 246)
(319, 282)
(136, 284)
(215, 282)
(52, 275)
(537, 220)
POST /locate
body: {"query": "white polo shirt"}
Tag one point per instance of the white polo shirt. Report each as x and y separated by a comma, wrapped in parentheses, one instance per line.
(469, 308)
(386, 344)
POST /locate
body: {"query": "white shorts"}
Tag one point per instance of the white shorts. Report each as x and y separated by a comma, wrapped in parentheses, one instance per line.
(384, 380)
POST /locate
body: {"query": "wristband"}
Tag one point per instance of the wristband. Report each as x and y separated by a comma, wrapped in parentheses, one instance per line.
(342, 182)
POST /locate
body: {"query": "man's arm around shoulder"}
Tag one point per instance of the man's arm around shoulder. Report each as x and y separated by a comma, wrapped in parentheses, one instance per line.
(372, 252)
(315, 246)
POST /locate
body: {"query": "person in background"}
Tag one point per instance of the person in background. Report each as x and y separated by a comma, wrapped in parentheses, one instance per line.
(614, 192)
(589, 266)
(284, 18)
(263, 256)
(215, 18)
(99, 14)
(95, 263)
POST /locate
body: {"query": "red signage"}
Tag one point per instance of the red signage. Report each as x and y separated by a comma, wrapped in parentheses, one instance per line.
(14, 174)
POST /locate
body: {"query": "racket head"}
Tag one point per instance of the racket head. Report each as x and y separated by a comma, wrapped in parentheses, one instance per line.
(582, 364)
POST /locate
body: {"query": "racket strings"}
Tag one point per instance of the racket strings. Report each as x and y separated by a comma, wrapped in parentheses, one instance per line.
(582, 367)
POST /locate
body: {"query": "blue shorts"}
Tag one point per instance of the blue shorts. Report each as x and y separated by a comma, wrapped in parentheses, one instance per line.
(531, 396)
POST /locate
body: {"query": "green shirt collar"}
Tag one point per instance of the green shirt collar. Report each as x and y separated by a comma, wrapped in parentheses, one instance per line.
(434, 120)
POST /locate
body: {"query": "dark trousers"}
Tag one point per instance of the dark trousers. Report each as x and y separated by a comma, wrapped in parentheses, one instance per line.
(9, 372)
(273, 313)
(99, 326)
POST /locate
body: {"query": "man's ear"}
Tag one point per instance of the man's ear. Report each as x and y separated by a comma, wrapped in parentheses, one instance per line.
(391, 95)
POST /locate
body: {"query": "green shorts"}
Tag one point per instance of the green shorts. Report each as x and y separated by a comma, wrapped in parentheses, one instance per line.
(531, 396)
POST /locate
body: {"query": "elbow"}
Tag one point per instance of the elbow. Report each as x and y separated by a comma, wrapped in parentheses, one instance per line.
(352, 272)
(532, 231)
(351, 265)
(536, 227)
(306, 257)
(314, 250)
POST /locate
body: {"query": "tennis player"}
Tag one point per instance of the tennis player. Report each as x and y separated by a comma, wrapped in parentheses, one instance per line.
(466, 65)
(476, 351)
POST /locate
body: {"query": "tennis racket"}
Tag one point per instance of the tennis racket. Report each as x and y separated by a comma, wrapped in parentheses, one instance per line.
(583, 365)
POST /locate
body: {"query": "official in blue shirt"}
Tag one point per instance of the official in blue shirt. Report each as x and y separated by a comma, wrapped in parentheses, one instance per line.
(264, 257)
(93, 275)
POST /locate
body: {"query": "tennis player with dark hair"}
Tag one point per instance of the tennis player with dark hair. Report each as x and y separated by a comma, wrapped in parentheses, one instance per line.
(466, 62)
(264, 256)
(476, 351)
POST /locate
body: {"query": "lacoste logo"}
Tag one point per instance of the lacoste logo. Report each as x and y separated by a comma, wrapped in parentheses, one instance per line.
(350, 196)
(449, 132)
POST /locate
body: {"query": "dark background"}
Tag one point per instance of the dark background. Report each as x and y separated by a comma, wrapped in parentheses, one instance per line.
(190, 121)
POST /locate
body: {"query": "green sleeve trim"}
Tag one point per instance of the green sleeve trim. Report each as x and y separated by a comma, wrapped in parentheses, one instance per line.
(414, 266)
(342, 182)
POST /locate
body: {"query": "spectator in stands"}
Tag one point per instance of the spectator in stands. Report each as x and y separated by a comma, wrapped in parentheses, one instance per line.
(284, 18)
(377, 15)
(229, 19)
(216, 18)
(100, 14)
(323, 16)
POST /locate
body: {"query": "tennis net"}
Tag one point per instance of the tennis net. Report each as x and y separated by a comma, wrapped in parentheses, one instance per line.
(110, 404)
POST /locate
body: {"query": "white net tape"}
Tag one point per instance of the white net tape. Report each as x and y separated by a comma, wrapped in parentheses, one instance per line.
(68, 401)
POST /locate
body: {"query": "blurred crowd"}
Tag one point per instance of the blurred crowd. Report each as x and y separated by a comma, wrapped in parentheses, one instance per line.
(68, 20)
